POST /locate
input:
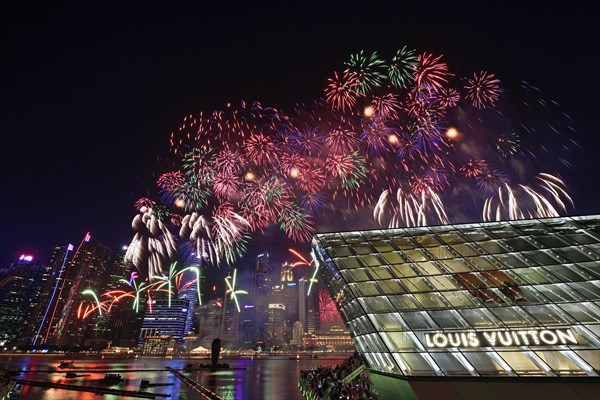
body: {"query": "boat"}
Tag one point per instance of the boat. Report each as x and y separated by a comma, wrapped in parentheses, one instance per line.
(70, 375)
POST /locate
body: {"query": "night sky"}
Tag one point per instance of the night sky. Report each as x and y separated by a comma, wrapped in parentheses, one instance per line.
(90, 94)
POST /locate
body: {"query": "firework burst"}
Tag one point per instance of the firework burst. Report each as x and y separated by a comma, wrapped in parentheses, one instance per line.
(397, 138)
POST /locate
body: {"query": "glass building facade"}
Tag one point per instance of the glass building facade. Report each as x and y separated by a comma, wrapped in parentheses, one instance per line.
(496, 299)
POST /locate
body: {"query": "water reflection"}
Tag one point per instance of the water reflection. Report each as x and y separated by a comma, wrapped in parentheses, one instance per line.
(246, 378)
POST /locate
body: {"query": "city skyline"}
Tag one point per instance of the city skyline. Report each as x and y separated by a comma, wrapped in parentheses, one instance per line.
(96, 92)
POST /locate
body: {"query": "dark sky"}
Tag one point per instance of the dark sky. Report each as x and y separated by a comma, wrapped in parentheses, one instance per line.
(90, 93)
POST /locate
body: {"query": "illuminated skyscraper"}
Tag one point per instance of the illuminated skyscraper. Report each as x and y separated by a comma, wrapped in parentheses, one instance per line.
(50, 296)
(260, 292)
(87, 270)
(20, 289)
(161, 319)
(307, 304)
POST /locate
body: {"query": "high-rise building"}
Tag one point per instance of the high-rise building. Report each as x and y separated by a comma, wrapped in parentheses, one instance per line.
(164, 318)
(189, 288)
(44, 313)
(501, 309)
(307, 304)
(87, 271)
(230, 319)
(20, 289)
(286, 294)
(260, 292)
(275, 335)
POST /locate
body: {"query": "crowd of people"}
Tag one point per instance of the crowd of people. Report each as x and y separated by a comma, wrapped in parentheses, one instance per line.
(328, 383)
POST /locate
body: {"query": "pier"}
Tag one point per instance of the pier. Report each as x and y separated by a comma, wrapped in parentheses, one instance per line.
(198, 388)
(92, 389)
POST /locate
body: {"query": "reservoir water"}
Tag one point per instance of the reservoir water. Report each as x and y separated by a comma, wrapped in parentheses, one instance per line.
(247, 378)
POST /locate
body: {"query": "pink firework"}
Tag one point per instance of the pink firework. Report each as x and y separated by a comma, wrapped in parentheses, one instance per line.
(448, 97)
(260, 149)
(349, 168)
(387, 106)
(293, 164)
(170, 181)
(144, 202)
(421, 185)
(230, 162)
(226, 185)
(342, 141)
(483, 89)
(473, 168)
(175, 219)
(327, 310)
(430, 70)
(341, 92)
(311, 179)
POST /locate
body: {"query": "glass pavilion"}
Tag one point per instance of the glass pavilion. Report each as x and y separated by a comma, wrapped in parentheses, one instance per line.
(494, 301)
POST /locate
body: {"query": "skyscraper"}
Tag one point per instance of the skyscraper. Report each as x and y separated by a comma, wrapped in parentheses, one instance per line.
(50, 296)
(260, 292)
(88, 270)
(20, 289)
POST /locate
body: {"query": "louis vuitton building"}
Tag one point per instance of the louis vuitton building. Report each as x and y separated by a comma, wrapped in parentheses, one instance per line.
(501, 310)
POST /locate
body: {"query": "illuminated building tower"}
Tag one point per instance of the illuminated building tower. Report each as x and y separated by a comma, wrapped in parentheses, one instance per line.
(260, 292)
(230, 328)
(289, 297)
(188, 288)
(160, 319)
(276, 328)
(248, 327)
(87, 270)
(42, 318)
(307, 310)
(502, 309)
(20, 289)
(188, 291)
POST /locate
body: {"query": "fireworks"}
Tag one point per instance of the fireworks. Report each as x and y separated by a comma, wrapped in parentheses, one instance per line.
(327, 310)
(483, 89)
(402, 138)
(232, 291)
(401, 69)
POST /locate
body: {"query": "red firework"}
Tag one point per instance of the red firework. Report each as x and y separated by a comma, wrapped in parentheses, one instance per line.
(473, 168)
(483, 89)
(144, 202)
(327, 309)
(431, 71)
(341, 92)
